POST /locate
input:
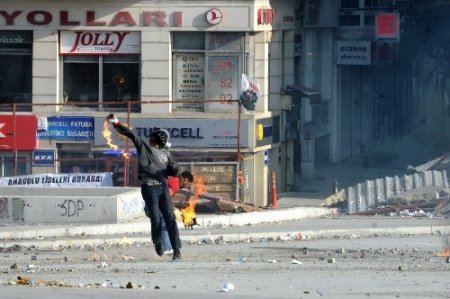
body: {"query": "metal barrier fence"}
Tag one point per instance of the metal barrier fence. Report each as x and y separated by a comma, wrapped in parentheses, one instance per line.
(220, 175)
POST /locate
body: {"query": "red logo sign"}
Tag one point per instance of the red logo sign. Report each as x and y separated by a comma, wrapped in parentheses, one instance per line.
(266, 16)
(108, 40)
(214, 16)
(18, 132)
(387, 25)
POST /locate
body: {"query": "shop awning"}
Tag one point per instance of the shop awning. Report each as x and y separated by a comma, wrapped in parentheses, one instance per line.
(313, 95)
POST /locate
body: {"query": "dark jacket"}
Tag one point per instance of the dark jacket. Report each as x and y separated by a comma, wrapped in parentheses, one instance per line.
(154, 163)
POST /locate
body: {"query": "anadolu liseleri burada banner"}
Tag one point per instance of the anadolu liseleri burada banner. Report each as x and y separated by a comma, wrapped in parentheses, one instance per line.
(75, 180)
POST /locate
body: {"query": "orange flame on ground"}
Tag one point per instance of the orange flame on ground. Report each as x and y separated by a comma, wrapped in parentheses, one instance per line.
(188, 214)
(444, 252)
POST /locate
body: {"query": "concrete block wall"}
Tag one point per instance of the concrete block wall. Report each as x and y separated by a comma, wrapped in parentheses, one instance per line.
(70, 205)
(375, 193)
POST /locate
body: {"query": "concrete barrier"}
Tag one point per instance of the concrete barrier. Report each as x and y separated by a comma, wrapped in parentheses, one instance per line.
(374, 193)
(70, 205)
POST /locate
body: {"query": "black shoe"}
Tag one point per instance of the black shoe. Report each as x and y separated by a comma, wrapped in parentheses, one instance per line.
(159, 249)
(176, 255)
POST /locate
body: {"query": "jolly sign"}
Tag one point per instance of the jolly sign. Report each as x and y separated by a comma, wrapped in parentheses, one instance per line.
(105, 42)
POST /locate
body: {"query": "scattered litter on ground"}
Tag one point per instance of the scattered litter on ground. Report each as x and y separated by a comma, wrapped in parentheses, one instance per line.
(125, 241)
(227, 287)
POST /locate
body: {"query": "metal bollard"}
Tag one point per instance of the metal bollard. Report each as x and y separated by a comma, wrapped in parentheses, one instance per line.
(334, 186)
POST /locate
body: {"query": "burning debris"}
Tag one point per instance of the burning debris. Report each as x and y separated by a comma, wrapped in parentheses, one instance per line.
(188, 214)
(444, 253)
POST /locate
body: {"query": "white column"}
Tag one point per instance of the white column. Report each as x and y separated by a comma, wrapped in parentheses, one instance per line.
(45, 71)
(156, 68)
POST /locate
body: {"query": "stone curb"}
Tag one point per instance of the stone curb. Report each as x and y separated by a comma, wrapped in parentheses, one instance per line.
(233, 237)
(20, 232)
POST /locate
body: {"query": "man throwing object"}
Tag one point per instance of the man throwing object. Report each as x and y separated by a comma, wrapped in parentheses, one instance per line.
(155, 166)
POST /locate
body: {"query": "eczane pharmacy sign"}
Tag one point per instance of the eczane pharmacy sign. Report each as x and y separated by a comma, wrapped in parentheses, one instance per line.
(353, 52)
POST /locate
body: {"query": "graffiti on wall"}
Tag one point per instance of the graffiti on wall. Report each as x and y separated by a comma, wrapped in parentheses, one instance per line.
(131, 206)
(4, 213)
(71, 208)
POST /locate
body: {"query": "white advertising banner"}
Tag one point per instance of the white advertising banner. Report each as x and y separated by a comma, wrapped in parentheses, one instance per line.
(99, 43)
(76, 180)
(189, 78)
(185, 133)
(223, 83)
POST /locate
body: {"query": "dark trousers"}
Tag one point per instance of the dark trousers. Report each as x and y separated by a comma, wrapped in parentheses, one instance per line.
(158, 202)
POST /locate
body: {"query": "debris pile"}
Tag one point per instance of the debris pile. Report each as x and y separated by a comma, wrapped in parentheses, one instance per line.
(422, 192)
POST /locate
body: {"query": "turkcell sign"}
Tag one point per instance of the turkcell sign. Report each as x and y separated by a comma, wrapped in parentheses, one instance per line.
(188, 133)
(68, 128)
(353, 52)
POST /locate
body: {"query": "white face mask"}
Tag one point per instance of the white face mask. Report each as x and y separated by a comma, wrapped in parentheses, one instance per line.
(168, 144)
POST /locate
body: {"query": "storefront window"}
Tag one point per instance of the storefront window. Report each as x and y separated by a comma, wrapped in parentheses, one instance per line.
(119, 77)
(15, 70)
(8, 164)
(100, 74)
(207, 66)
(81, 79)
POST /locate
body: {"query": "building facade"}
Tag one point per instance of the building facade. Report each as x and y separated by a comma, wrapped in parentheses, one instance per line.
(156, 64)
(381, 69)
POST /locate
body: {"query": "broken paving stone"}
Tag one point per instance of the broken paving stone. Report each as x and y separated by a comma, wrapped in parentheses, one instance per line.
(131, 285)
(33, 257)
(296, 262)
(127, 258)
(298, 236)
(341, 250)
(157, 287)
(332, 260)
(94, 257)
(272, 261)
(103, 265)
(285, 238)
(14, 267)
(31, 269)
